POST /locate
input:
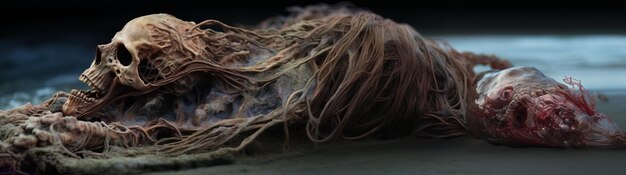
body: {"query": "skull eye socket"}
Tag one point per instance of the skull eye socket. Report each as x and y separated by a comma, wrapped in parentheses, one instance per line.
(123, 55)
(98, 56)
(507, 94)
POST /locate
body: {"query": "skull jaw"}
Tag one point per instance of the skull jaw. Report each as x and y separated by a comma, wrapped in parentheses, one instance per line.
(78, 104)
(82, 103)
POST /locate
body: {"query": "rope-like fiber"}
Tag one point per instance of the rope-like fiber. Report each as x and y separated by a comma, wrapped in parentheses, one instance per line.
(371, 76)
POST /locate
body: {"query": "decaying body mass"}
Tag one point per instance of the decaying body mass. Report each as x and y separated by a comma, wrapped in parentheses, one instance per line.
(164, 86)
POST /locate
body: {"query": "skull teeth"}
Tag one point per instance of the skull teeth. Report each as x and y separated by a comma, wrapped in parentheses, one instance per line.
(81, 96)
(92, 84)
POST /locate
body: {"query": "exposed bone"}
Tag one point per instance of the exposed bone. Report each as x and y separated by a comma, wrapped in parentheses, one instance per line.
(345, 73)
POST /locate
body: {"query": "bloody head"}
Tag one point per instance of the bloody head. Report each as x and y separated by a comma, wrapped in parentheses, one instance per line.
(521, 106)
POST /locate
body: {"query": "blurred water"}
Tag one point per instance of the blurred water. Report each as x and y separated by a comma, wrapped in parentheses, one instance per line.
(599, 61)
(31, 72)
(33, 67)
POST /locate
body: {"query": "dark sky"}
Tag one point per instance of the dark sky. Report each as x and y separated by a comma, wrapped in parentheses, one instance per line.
(437, 17)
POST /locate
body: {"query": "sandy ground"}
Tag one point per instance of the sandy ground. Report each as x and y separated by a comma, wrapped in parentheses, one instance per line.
(463, 155)
(596, 59)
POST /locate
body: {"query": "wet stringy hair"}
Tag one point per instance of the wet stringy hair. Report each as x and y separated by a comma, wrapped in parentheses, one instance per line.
(370, 74)
(370, 77)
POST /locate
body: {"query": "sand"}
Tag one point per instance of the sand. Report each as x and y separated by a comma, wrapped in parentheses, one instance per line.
(464, 155)
(598, 60)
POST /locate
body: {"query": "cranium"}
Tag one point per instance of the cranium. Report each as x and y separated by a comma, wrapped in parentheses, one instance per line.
(143, 55)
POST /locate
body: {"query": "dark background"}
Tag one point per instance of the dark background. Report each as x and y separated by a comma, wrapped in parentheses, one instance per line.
(42, 39)
(437, 17)
(47, 43)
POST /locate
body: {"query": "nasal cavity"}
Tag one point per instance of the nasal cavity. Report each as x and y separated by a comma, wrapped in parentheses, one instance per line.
(98, 57)
(123, 55)
(521, 114)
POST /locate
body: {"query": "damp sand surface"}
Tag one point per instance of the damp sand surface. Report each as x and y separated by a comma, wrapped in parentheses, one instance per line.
(29, 73)
(463, 155)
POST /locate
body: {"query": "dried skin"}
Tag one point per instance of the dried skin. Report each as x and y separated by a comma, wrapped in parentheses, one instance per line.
(170, 87)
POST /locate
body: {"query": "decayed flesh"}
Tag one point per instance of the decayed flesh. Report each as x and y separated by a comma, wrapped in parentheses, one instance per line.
(522, 106)
(176, 88)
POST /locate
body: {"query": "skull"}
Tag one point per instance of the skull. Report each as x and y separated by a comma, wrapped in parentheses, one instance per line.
(144, 44)
(140, 57)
